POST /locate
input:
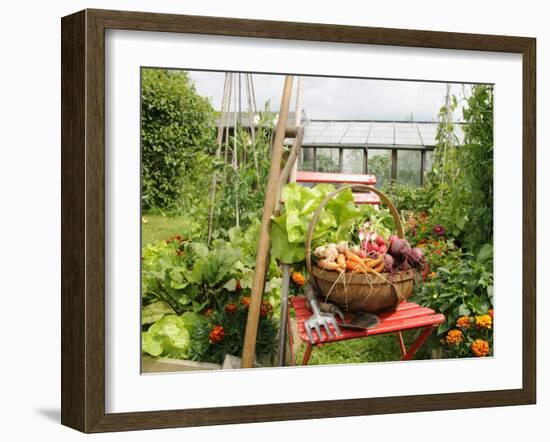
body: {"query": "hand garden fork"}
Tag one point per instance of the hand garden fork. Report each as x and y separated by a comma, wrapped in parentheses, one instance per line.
(319, 319)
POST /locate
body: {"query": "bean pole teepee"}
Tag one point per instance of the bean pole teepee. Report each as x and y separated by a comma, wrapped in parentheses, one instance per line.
(232, 99)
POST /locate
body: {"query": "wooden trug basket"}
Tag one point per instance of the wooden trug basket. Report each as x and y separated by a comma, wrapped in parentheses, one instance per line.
(356, 292)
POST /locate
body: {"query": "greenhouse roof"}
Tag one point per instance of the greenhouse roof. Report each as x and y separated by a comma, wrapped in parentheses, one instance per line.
(390, 134)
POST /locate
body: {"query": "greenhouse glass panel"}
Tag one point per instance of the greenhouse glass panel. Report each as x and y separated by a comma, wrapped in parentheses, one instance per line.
(379, 165)
(408, 167)
(306, 160)
(382, 133)
(352, 161)
(428, 133)
(327, 160)
(428, 163)
(407, 134)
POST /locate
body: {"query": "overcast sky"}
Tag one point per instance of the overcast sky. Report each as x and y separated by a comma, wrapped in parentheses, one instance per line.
(342, 98)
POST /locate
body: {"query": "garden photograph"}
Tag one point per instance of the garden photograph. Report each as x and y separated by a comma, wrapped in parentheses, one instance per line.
(379, 240)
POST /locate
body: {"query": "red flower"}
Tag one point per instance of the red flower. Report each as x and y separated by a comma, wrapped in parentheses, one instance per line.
(238, 285)
(266, 309)
(217, 335)
(231, 308)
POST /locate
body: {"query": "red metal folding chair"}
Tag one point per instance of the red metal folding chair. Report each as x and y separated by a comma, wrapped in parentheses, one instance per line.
(407, 316)
(342, 178)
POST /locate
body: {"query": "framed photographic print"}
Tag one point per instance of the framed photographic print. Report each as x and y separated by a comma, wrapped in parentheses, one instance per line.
(270, 220)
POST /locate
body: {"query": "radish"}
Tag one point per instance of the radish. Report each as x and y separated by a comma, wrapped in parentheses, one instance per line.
(373, 247)
(383, 249)
(380, 241)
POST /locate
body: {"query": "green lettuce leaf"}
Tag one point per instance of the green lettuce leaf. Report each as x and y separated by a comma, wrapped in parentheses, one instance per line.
(153, 312)
(167, 337)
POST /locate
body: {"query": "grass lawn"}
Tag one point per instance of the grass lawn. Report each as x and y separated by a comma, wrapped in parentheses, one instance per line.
(382, 348)
(159, 227)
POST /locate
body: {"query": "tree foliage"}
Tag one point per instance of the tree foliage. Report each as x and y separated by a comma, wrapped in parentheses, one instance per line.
(176, 137)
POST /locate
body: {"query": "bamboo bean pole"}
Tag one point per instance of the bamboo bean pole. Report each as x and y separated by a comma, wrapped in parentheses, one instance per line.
(298, 121)
(223, 113)
(262, 255)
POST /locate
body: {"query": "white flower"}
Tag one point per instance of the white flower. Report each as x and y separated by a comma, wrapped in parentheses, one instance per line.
(256, 119)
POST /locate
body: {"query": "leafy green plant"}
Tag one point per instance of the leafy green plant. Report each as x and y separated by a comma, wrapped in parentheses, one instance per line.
(170, 336)
(463, 174)
(461, 285)
(407, 197)
(242, 176)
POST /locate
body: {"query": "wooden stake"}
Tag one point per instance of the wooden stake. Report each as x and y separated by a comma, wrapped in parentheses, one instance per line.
(262, 255)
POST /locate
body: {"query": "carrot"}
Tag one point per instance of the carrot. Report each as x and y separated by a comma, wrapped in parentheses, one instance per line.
(379, 267)
(354, 258)
(355, 266)
(372, 263)
(328, 265)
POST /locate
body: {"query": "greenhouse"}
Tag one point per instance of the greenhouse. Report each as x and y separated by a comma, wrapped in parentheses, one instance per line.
(390, 150)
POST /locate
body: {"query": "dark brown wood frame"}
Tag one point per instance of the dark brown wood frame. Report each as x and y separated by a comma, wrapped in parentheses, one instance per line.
(83, 215)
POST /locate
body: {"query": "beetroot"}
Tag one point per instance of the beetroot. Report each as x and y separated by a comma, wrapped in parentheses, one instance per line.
(388, 263)
(416, 256)
(400, 248)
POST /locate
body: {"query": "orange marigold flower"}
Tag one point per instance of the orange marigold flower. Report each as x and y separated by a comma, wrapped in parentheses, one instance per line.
(484, 321)
(480, 348)
(231, 308)
(454, 337)
(463, 322)
(433, 275)
(217, 334)
(245, 301)
(298, 278)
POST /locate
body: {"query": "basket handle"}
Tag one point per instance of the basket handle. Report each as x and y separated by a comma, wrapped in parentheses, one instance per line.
(317, 213)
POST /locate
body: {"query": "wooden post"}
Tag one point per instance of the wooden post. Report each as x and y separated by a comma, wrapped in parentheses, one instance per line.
(262, 254)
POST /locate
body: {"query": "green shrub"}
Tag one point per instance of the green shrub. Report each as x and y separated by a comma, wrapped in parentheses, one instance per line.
(177, 137)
